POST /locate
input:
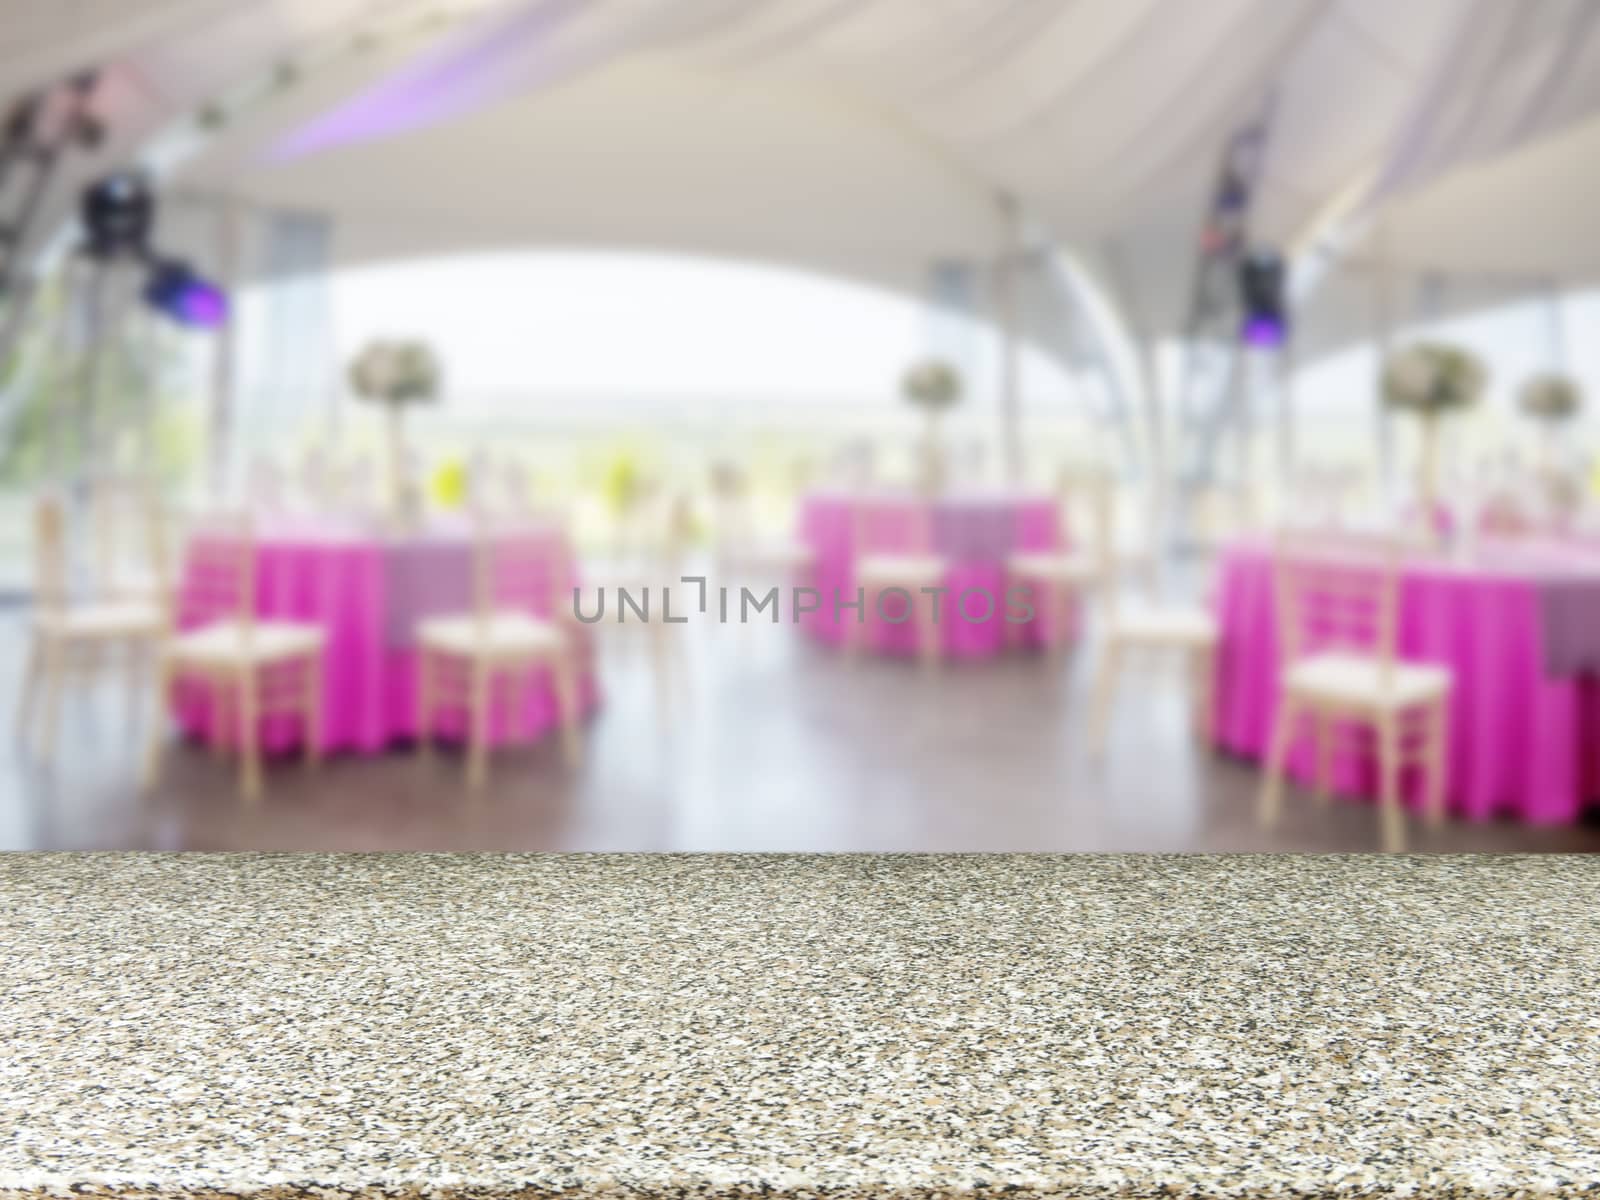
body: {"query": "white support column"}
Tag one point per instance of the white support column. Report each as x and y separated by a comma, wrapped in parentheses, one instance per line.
(1283, 366)
(1383, 338)
(222, 424)
(1010, 261)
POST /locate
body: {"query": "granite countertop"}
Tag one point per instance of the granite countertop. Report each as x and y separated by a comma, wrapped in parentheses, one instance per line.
(482, 1026)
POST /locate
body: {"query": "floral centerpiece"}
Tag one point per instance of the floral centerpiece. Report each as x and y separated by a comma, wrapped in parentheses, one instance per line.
(934, 387)
(397, 375)
(1551, 397)
(1432, 380)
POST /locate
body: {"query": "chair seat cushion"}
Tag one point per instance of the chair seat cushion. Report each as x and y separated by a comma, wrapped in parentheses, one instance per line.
(141, 588)
(1359, 681)
(1060, 567)
(499, 635)
(230, 643)
(899, 568)
(120, 619)
(1167, 626)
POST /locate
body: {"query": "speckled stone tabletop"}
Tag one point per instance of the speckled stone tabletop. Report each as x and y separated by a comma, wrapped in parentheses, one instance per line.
(483, 1026)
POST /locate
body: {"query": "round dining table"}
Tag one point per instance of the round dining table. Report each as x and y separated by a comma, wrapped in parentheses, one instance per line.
(973, 532)
(367, 591)
(1519, 631)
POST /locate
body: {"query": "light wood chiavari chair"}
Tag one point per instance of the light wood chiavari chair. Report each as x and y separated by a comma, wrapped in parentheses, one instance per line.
(129, 521)
(251, 668)
(892, 548)
(1337, 601)
(71, 640)
(519, 626)
(1059, 579)
(1148, 626)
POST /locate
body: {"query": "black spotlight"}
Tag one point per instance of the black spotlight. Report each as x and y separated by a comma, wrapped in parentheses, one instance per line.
(119, 211)
(1262, 281)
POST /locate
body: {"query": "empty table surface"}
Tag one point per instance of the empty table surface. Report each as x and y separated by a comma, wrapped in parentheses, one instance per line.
(848, 1026)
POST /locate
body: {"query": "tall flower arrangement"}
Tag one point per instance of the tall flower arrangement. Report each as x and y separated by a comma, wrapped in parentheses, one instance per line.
(1553, 399)
(397, 375)
(1432, 380)
(934, 387)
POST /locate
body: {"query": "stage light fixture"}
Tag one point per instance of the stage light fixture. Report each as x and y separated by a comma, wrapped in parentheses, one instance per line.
(118, 213)
(174, 289)
(1261, 291)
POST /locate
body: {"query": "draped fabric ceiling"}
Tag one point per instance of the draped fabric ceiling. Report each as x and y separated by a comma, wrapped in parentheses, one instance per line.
(868, 136)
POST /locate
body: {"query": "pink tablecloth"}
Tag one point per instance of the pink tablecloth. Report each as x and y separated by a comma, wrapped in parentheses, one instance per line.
(974, 532)
(1523, 743)
(361, 590)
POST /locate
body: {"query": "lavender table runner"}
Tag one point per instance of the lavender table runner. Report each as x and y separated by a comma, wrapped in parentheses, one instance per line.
(425, 577)
(1570, 620)
(969, 530)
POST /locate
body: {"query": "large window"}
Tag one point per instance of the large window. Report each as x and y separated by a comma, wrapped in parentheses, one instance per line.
(560, 350)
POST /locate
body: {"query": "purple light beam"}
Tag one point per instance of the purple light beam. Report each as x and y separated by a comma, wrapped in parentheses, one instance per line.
(492, 59)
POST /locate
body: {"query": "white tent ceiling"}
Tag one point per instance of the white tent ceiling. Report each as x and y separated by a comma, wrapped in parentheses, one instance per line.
(861, 135)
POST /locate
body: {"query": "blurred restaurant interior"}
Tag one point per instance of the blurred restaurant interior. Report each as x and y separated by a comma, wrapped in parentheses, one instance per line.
(800, 425)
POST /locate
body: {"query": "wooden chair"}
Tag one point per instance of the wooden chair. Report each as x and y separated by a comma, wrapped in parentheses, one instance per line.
(1221, 513)
(892, 547)
(649, 548)
(1151, 627)
(1145, 630)
(515, 629)
(130, 542)
(512, 491)
(317, 482)
(1062, 578)
(1337, 601)
(266, 490)
(252, 668)
(71, 639)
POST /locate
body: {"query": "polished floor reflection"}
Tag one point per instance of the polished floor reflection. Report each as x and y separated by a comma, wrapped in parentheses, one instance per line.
(769, 743)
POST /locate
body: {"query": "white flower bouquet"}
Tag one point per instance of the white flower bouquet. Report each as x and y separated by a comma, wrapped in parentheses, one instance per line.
(396, 373)
(1551, 397)
(1431, 378)
(932, 385)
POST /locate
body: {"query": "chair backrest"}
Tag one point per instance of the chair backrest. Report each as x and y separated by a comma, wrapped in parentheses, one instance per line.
(1337, 591)
(264, 488)
(731, 511)
(51, 582)
(653, 530)
(891, 525)
(318, 481)
(219, 582)
(516, 485)
(1088, 499)
(358, 486)
(1221, 512)
(522, 565)
(116, 505)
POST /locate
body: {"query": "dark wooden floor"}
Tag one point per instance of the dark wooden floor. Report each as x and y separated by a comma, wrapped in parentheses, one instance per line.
(775, 745)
